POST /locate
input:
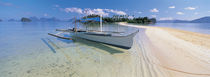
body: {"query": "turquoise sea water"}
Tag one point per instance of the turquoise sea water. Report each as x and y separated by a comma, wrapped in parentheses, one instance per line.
(17, 37)
(26, 50)
(193, 27)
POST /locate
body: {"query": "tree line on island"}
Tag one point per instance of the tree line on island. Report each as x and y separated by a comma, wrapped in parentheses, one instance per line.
(120, 18)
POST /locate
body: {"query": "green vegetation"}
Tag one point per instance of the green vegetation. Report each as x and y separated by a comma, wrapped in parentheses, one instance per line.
(25, 19)
(143, 20)
(91, 16)
(122, 18)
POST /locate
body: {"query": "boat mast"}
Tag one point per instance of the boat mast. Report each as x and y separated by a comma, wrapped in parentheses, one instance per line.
(75, 28)
(101, 22)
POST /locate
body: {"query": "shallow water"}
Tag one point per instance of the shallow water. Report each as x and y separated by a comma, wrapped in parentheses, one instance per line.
(193, 27)
(27, 51)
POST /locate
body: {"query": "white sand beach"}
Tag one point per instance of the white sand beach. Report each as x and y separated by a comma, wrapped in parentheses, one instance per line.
(165, 52)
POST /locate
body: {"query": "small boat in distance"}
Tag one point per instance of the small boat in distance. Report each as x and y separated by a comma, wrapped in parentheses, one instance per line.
(106, 37)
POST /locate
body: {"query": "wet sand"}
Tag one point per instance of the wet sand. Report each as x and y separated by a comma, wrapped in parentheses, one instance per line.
(174, 53)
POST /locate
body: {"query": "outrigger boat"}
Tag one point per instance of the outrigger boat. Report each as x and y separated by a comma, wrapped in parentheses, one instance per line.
(106, 37)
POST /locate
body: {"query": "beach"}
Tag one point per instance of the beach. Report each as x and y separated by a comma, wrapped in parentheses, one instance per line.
(156, 52)
(166, 52)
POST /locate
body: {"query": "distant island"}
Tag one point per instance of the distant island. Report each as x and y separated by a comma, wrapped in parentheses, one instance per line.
(114, 18)
(12, 20)
(25, 19)
(35, 19)
(199, 20)
(173, 21)
(118, 18)
(53, 19)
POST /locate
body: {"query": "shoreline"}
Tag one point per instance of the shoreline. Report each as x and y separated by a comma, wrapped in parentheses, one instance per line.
(177, 53)
(155, 53)
(195, 38)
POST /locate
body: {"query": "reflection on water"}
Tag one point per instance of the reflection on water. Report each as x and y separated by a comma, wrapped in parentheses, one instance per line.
(27, 51)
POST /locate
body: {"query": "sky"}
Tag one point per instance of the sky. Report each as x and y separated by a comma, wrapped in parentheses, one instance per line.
(66, 9)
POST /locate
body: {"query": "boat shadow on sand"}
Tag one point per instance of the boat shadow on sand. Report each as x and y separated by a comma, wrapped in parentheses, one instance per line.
(91, 43)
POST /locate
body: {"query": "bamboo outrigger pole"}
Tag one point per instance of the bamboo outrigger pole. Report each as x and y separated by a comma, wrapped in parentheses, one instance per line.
(59, 36)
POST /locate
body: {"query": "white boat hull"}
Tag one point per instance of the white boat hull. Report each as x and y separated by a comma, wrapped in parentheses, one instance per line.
(119, 41)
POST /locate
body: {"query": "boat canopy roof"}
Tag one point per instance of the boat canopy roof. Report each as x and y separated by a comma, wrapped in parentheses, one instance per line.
(96, 19)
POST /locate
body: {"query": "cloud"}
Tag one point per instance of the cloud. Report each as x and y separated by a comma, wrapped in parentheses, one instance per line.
(6, 4)
(56, 6)
(115, 11)
(154, 10)
(88, 11)
(180, 13)
(130, 17)
(98, 11)
(76, 10)
(171, 7)
(196, 13)
(208, 11)
(45, 14)
(139, 12)
(154, 16)
(166, 18)
(189, 8)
